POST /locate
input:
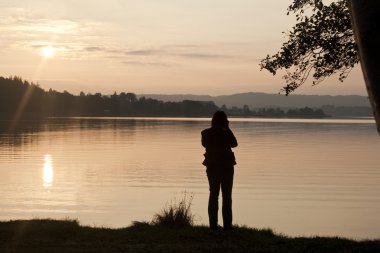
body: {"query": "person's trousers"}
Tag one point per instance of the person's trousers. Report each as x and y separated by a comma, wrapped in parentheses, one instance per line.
(220, 178)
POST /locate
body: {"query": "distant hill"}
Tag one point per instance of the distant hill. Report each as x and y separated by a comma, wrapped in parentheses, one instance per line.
(260, 100)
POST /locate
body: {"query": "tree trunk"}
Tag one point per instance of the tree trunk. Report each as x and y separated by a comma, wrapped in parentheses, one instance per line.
(365, 16)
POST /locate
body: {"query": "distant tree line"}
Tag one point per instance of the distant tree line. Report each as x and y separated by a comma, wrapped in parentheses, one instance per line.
(348, 111)
(21, 99)
(277, 112)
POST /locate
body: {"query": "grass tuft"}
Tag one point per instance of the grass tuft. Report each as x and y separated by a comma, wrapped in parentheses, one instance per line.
(176, 215)
(141, 224)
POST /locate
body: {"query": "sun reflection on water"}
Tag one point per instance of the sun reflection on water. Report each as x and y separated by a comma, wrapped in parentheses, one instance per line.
(48, 173)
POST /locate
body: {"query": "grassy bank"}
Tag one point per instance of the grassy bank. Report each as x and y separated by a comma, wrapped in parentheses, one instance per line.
(68, 236)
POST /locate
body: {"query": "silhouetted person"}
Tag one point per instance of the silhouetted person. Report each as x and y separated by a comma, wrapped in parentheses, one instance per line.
(219, 160)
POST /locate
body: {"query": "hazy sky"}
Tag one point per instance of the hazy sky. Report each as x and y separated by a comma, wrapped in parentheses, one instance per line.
(150, 46)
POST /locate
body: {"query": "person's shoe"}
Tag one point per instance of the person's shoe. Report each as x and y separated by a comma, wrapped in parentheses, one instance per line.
(215, 228)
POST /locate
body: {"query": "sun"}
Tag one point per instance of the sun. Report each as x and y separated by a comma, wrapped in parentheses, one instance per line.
(48, 52)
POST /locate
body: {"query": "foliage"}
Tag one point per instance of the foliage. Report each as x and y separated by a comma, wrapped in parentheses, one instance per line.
(176, 215)
(277, 112)
(28, 100)
(321, 44)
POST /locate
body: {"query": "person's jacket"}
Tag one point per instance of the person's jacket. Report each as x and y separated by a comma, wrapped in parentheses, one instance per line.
(218, 143)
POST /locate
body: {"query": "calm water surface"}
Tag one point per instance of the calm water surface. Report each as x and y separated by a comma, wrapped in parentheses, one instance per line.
(299, 177)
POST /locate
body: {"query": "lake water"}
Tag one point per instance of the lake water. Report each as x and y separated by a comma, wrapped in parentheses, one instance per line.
(298, 177)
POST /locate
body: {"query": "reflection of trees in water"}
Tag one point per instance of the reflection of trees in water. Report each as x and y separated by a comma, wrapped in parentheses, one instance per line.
(28, 131)
(17, 139)
(21, 133)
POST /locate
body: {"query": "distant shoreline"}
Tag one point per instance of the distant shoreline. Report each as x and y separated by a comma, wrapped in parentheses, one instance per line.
(20, 99)
(187, 117)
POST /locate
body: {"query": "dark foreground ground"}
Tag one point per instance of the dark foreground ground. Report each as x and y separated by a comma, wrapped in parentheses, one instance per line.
(68, 236)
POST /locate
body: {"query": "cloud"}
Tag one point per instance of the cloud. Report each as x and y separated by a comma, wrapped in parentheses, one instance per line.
(24, 21)
(144, 52)
(57, 27)
(139, 63)
(180, 51)
(178, 55)
(74, 39)
(82, 39)
(204, 56)
(93, 49)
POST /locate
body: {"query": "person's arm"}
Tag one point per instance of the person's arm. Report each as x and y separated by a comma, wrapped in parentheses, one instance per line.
(204, 139)
(232, 139)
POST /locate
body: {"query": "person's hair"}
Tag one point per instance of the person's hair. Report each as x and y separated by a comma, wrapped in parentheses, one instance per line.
(219, 119)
